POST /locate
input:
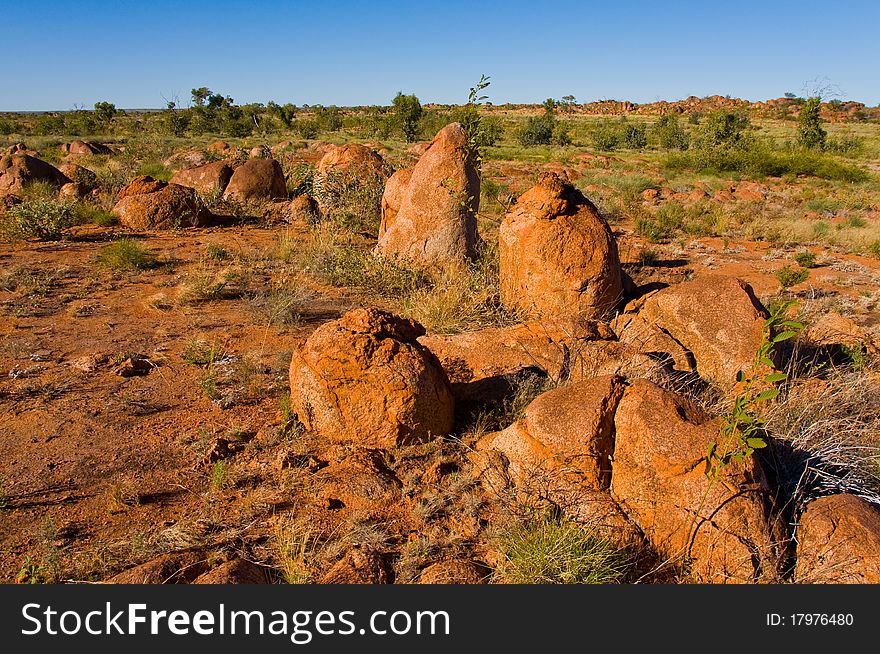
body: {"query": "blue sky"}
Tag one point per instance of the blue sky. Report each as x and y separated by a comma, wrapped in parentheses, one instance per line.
(135, 53)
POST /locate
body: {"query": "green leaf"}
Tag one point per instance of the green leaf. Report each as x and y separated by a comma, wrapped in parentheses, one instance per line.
(766, 361)
(775, 377)
(740, 376)
(756, 443)
(784, 336)
(769, 394)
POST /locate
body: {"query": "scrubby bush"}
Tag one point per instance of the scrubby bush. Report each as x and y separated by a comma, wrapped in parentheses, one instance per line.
(43, 219)
(805, 259)
(307, 128)
(329, 119)
(610, 135)
(49, 124)
(407, 113)
(538, 130)
(810, 132)
(699, 219)
(757, 159)
(8, 127)
(544, 129)
(847, 145)
(788, 276)
(723, 128)
(670, 134)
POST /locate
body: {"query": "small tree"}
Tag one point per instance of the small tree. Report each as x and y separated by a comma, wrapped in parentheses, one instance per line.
(175, 121)
(724, 128)
(670, 133)
(810, 132)
(105, 111)
(200, 95)
(286, 113)
(407, 112)
(478, 136)
(568, 103)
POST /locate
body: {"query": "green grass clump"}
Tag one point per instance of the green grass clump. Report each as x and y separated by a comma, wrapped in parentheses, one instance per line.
(92, 215)
(126, 254)
(216, 252)
(155, 170)
(556, 551)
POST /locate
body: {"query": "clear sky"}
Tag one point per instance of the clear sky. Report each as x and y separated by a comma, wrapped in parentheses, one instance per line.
(136, 53)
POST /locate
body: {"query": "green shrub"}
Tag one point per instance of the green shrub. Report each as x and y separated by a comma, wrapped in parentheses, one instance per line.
(758, 160)
(874, 249)
(857, 222)
(126, 254)
(805, 259)
(610, 135)
(723, 128)
(348, 266)
(407, 113)
(538, 130)
(49, 125)
(556, 551)
(810, 132)
(634, 137)
(699, 219)
(353, 201)
(670, 134)
(307, 128)
(788, 276)
(845, 145)
(8, 127)
(40, 218)
(329, 119)
(605, 136)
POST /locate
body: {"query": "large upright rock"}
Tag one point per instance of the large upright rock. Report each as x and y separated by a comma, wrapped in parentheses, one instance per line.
(210, 178)
(366, 378)
(721, 528)
(147, 203)
(257, 179)
(18, 170)
(437, 216)
(716, 317)
(839, 542)
(558, 256)
(392, 198)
